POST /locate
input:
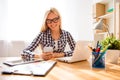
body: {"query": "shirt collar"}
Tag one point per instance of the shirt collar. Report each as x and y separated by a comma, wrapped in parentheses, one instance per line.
(49, 32)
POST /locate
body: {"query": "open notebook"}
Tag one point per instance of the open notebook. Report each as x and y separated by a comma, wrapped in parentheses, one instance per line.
(36, 68)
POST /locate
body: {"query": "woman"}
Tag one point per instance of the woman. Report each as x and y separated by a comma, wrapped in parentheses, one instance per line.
(51, 35)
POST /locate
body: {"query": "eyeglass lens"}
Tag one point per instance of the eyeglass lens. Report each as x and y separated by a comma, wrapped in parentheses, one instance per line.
(55, 20)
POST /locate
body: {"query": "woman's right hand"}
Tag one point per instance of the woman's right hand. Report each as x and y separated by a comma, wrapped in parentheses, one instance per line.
(47, 55)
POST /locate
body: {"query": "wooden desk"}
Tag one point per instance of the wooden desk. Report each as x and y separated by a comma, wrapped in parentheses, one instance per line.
(65, 71)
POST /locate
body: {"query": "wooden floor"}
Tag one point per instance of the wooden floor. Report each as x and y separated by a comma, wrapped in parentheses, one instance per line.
(75, 71)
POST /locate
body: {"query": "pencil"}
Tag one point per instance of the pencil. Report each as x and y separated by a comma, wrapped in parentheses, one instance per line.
(90, 48)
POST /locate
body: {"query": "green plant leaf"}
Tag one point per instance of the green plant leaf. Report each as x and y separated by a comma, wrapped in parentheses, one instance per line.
(115, 43)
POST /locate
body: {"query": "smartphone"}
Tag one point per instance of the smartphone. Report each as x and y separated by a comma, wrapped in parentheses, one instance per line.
(48, 49)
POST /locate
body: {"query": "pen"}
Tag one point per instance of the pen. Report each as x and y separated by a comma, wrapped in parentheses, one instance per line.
(90, 48)
(106, 47)
(95, 55)
(94, 50)
(97, 44)
(97, 50)
(96, 61)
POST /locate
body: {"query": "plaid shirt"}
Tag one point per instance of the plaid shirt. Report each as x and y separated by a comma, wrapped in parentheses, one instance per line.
(45, 40)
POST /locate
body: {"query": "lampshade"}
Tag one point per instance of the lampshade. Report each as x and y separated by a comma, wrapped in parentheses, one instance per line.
(99, 25)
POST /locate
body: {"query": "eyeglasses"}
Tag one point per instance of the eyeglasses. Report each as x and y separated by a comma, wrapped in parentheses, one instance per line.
(55, 20)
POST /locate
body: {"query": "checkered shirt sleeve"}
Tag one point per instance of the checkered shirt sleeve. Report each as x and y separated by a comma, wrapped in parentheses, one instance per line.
(71, 43)
(28, 52)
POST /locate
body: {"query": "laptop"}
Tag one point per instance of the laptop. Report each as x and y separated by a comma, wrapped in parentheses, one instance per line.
(80, 53)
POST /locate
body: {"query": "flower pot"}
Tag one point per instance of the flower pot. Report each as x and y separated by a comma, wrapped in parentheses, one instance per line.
(112, 56)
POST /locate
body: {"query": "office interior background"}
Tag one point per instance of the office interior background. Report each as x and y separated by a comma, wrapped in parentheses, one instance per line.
(21, 20)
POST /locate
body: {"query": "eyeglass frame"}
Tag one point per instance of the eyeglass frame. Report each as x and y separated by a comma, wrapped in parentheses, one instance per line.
(55, 20)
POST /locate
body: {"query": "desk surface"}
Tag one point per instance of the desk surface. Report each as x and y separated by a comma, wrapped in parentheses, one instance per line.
(64, 71)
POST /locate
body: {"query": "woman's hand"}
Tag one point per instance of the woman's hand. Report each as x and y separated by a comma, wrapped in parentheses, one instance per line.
(47, 55)
(50, 55)
(56, 55)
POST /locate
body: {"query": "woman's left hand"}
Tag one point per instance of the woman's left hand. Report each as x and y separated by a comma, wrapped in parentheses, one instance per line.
(56, 55)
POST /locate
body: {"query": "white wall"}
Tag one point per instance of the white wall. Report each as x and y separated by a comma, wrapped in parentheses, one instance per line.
(3, 18)
(21, 19)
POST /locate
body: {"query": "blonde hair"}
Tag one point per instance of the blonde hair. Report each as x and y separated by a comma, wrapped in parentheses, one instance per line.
(52, 10)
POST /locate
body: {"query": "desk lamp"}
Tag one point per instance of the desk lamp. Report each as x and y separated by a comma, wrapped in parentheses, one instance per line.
(99, 25)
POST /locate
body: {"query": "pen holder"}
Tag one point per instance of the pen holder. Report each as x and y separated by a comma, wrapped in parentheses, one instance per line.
(98, 60)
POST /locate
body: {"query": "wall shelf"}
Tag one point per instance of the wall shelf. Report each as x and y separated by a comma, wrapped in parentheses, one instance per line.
(106, 16)
(100, 8)
(102, 1)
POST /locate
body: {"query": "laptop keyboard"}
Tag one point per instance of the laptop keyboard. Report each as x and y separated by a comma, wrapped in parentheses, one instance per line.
(64, 58)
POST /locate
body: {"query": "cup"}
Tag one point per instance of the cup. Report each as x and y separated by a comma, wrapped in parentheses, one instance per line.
(98, 60)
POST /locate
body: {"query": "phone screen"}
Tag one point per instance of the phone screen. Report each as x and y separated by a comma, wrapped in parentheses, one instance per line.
(48, 49)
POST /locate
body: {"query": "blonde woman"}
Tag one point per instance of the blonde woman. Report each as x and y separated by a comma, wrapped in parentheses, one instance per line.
(52, 37)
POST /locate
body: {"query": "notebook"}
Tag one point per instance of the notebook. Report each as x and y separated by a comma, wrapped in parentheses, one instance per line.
(80, 53)
(20, 62)
(36, 68)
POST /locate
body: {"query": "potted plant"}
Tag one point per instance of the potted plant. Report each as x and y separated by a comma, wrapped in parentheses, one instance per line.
(113, 51)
